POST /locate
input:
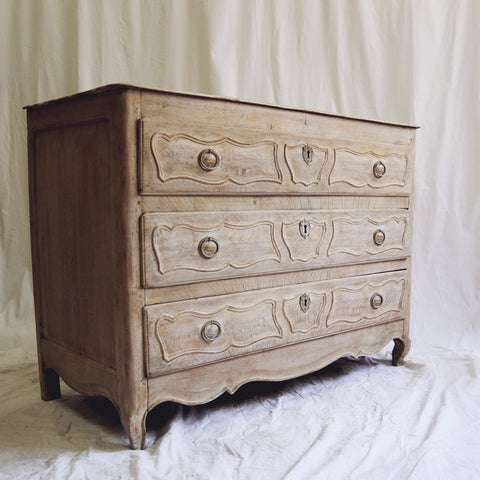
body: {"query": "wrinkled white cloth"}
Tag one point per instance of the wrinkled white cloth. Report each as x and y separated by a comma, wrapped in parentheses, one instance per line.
(356, 419)
(403, 61)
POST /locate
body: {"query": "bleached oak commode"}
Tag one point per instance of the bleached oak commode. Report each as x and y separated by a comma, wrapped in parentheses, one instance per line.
(184, 245)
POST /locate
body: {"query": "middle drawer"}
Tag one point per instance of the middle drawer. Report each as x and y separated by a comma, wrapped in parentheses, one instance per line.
(181, 248)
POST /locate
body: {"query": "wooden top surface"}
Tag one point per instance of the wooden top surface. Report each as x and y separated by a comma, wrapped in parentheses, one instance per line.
(123, 86)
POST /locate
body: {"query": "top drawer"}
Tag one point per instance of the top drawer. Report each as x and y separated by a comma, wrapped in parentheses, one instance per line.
(204, 159)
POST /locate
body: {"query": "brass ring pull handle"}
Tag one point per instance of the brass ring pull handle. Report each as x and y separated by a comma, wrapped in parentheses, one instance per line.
(376, 301)
(210, 331)
(208, 160)
(379, 169)
(208, 247)
(379, 237)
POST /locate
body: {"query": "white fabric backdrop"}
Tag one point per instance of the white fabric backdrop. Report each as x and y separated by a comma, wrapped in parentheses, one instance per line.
(402, 61)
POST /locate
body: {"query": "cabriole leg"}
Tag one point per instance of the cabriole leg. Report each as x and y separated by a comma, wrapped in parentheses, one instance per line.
(134, 426)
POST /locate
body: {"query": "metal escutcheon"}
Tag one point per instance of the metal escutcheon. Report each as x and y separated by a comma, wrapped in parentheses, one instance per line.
(376, 300)
(307, 153)
(379, 169)
(208, 160)
(210, 331)
(304, 302)
(304, 228)
(379, 237)
(208, 247)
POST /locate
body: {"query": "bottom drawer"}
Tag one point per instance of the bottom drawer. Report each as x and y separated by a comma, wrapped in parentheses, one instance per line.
(190, 333)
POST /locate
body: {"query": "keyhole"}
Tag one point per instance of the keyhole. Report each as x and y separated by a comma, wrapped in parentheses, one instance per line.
(304, 302)
(307, 153)
(304, 228)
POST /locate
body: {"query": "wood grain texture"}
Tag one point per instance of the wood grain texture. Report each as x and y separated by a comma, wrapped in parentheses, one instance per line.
(80, 373)
(75, 262)
(133, 388)
(243, 159)
(181, 203)
(82, 181)
(256, 161)
(105, 89)
(305, 170)
(207, 382)
(171, 242)
(218, 111)
(183, 245)
(263, 319)
(354, 168)
(239, 327)
(171, 293)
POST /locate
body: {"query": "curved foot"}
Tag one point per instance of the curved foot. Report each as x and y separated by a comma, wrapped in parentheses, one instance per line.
(134, 426)
(400, 350)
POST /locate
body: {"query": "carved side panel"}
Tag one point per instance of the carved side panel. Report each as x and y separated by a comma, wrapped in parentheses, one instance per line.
(355, 169)
(356, 236)
(305, 163)
(304, 321)
(307, 246)
(236, 326)
(353, 305)
(240, 162)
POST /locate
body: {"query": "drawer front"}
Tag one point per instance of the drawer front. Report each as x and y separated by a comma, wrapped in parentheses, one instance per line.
(190, 333)
(193, 159)
(183, 248)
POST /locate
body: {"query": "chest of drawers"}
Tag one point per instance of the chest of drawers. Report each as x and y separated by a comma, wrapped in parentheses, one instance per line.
(184, 245)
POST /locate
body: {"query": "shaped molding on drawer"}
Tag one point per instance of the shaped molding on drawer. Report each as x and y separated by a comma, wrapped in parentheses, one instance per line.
(214, 330)
(331, 307)
(305, 163)
(187, 247)
(356, 236)
(240, 245)
(198, 331)
(202, 157)
(354, 305)
(188, 158)
(306, 319)
(357, 169)
(307, 245)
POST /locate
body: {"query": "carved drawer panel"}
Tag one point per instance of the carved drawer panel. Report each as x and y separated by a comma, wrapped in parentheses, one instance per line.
(181, 248)
(189, 333)
(306, 163)
(363, 170)
(189, 159)
(202, 158)
(357, 236)
(327, 307)
(187, 247)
